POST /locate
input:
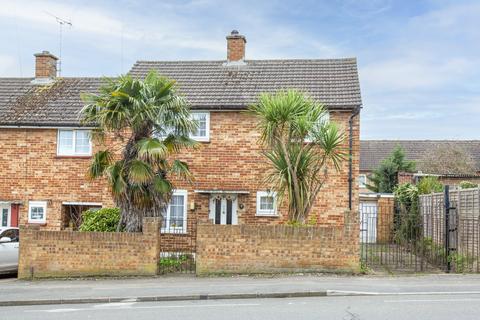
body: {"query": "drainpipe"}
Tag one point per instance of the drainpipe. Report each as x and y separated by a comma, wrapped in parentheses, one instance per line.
(350, 155)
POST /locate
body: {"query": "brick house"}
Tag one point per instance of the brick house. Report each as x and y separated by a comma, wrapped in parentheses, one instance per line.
(44, 151)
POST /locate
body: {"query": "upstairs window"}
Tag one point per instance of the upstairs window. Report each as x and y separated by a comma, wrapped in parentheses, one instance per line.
(74, 143)
(266, 203)
(324, 119)
(362, 181)
(202, 133)
(203, 119)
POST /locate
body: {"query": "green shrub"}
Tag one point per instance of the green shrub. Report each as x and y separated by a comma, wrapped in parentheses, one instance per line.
(175, 263)
(468, 185)
(102, 220)
(428, 185)
(407, 222)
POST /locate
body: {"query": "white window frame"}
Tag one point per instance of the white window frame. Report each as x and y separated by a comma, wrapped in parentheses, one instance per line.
(177, 230)
(360, 184)
(269, 213)
(206, 138)
(74, 138)
(325, 118)
(37, 204)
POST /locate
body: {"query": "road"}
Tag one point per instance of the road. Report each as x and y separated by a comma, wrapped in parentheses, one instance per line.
(437, 307)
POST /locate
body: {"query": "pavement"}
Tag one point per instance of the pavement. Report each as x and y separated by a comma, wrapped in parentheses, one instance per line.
(189, 288)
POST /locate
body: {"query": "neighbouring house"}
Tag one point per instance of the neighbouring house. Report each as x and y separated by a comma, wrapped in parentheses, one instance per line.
(377, 209)
(45, 152)
(373, 152)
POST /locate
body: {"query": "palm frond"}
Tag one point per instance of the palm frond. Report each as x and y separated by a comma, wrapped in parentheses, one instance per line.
(101, 161)
(139, 172)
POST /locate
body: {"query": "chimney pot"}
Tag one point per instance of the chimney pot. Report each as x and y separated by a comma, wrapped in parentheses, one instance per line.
(45, 65)
(235, 46)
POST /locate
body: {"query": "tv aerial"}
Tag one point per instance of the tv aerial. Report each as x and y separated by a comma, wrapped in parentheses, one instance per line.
(61, 22)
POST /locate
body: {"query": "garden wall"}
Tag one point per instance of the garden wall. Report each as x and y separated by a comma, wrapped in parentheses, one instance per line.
(278, 248)
(70, 253)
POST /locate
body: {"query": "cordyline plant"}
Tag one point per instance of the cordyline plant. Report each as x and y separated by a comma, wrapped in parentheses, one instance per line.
(139, 112)
(300, 144)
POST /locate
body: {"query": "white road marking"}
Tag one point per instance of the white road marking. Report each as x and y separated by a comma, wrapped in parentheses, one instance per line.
(130, 306)
(114, 305)
(369, 293)
(432, 300)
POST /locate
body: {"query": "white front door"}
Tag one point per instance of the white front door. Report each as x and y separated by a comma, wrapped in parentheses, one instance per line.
(5, 215)
(368, 222)
(223, 208)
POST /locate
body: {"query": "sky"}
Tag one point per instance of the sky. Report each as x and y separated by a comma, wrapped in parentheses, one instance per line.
(419, 60)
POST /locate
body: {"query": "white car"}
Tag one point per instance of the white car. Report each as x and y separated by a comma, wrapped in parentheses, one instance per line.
(9, 250)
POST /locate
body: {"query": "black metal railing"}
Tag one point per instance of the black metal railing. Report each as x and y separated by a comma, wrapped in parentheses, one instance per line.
(442, 235)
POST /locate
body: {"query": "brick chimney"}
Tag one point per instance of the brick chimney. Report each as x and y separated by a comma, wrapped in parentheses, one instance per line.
(45, 65)
(235, 46)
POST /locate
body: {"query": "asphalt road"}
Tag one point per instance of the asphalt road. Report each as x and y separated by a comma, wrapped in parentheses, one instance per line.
(437, 307)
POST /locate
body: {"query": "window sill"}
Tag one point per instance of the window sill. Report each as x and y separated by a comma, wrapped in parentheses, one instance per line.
(173, 231)
(38, 223)
(72, 157)
(272, 215)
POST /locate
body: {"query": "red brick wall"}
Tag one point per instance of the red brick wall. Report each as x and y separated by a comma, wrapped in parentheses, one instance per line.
(232, 160)
(270, 249)
(32, 171)
(69, 253)
(405, 177)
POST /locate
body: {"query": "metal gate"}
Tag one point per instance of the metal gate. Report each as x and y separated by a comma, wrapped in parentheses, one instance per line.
(177, 246)
(421, 240)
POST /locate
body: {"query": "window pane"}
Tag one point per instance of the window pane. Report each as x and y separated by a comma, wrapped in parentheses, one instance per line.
(82, 142)
(362, 180)
(36, 213)
(65, 142)
(266, 203)
(201, 119)
(4, 217)
(177, 207)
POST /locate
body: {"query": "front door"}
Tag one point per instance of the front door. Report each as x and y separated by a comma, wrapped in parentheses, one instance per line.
(223, 208)
(5, 214)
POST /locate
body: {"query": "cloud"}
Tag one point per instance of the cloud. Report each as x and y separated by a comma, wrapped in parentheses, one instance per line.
(8, 64)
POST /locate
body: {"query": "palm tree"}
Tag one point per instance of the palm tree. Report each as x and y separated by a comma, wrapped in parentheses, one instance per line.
(300, 144)
(138, 113)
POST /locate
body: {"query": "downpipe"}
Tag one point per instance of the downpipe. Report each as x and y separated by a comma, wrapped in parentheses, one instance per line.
(356, 111)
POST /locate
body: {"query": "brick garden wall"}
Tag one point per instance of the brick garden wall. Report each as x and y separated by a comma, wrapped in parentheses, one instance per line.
(277, 248)
(69, 253)
(385, 219)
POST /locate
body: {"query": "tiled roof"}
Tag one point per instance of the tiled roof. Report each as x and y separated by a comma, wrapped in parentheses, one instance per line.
(56, 104)
(372, 152)
(212, 84)
(206, 84)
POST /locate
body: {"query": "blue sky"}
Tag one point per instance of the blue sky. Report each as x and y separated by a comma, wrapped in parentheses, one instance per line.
(419, 61)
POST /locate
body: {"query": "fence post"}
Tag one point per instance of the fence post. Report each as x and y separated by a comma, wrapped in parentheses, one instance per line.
(447, 226)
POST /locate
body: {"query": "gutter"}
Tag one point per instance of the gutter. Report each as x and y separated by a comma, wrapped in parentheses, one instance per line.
(350, 155)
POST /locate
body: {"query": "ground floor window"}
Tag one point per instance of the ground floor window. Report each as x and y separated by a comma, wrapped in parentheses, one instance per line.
(175, 217)
(72, 213)
(266, 203)
(37, 212)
